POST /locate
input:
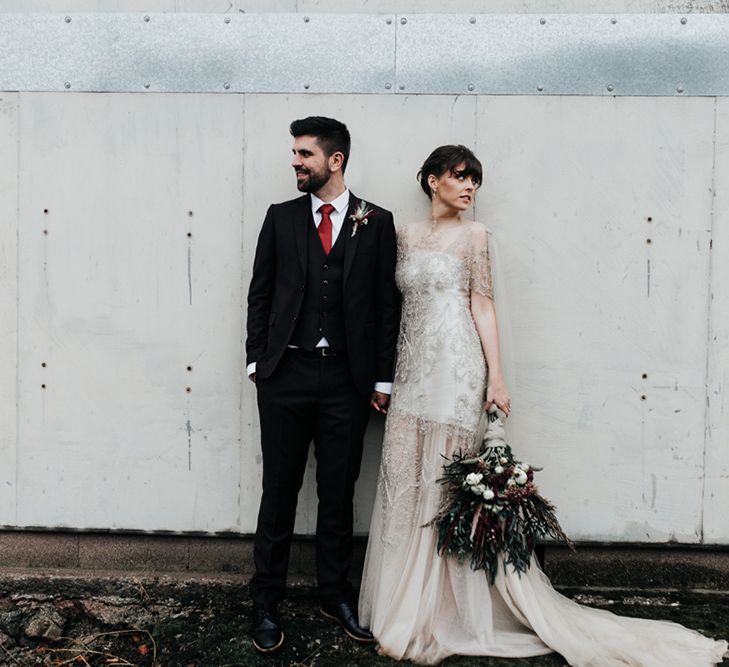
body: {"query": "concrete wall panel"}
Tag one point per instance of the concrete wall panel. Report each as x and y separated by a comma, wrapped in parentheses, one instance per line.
(8, 304)
(716, 493)
(602, 210)
(391, 136)
(130, 248)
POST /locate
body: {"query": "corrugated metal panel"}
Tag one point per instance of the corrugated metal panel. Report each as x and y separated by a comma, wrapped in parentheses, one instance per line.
(636, 54)
(508, 54)
(197, 53)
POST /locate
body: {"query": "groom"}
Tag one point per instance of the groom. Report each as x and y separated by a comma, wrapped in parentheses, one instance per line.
(323, 314)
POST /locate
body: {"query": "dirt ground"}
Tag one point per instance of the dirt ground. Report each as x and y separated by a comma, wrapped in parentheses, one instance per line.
(55, 618)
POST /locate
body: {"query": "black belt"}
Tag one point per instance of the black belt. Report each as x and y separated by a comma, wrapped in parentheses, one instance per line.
(316, 352)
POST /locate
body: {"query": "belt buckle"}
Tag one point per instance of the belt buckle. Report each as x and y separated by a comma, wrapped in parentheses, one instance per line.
(327, 352)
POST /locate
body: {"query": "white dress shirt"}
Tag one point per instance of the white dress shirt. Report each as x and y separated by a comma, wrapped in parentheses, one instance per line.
(340, 204)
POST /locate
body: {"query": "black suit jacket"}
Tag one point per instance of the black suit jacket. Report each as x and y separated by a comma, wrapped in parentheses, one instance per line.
(371, 301)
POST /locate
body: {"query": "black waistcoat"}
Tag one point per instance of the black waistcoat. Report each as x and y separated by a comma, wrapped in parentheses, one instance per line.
(321, 312)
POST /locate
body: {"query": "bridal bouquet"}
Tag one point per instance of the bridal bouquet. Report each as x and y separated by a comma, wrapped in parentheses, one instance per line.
(491, 505)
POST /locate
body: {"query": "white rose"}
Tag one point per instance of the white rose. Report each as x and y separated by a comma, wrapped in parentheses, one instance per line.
(478, 489)
(503, 461)
(488, 494)
(521, 477)
(473, 478)
(498, 470)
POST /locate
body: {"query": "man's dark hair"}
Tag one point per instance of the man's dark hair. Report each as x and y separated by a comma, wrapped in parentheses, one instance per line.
(331, 135)
(445, 159)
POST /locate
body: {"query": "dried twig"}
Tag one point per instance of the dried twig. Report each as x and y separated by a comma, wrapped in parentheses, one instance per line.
(305, 662)
(88, 650)
(82, 645)
(9, 654)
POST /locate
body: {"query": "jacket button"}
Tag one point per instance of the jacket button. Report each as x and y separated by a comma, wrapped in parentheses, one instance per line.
(323, 282)
(301, 289)
(325, 298)
(325, 267)
(324, 313)
(293, 318)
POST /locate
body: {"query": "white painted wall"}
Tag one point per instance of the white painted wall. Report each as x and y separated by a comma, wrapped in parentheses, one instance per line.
(118, 301)
(103, 299)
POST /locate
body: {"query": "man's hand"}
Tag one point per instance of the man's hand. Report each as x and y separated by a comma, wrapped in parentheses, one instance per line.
(380, 401)
(252, 378)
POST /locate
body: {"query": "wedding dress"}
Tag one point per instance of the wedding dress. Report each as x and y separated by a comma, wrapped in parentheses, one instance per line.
(423, 607)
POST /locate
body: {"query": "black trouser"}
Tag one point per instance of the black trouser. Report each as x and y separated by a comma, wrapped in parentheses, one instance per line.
(308, 397)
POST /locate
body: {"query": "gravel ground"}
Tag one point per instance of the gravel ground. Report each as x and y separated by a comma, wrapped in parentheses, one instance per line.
(92, 620)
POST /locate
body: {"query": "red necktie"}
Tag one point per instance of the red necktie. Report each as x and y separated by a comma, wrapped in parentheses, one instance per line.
(325, 227)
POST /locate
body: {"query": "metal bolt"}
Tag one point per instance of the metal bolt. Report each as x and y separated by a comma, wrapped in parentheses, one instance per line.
(388, 86)
(388, 20)
(679, 89)
(644, 376)
(146, 19)
(306, 86)
(643, 397)
(306, 19)
(189, 213)
(403, 20)
(67, 19)
(648, 241)
(472, 20)
(471, 86)
(540, 88)
(189, 368)
(227, 19)
(226, 85)
(401, 86)
(67, 85)
(542, 21)
(613, 21)
(45, 232)
(610, 87)
(146, 85)
(684, 21)
(188, 389)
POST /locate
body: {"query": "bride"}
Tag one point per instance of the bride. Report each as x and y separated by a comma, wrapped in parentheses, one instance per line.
(419, 605)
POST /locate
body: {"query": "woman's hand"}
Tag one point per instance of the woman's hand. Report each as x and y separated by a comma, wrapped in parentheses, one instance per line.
(496, 392)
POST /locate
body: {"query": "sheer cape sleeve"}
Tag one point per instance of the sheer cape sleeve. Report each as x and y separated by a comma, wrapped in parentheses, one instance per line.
(481, 279)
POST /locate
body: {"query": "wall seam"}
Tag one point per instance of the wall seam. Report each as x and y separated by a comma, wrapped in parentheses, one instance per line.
(709, 327)
(243, 311)
(17, 300)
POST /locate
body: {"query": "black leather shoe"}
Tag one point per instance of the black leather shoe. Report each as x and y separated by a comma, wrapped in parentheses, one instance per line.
(343, 614)
(267, 635)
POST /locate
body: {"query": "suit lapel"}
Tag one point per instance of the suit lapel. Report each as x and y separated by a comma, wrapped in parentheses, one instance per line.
(301, 223)
(351, 242)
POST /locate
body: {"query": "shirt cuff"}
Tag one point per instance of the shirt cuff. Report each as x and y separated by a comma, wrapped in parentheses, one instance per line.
(251, 369)
(383, 387)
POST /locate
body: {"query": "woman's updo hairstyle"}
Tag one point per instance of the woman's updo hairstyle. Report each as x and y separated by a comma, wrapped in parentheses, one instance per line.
(445, 159)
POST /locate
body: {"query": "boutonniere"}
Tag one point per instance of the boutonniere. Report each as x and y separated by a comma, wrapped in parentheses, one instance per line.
(359, 217)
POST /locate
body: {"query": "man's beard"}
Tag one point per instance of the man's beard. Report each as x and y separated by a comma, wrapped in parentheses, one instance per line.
(315, 182)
